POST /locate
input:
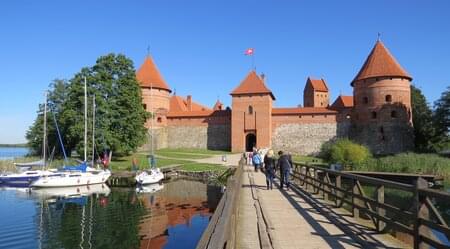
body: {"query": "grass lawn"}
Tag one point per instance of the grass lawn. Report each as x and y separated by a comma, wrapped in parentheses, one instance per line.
(124, 163)
(203, 167)
(195, 151)
(182, 155)
(300, 158)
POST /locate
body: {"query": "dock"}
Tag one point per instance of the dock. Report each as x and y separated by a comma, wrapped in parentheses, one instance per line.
(324, 209)
(126, 178)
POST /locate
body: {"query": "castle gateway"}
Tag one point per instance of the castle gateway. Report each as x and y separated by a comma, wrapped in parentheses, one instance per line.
(377, 115)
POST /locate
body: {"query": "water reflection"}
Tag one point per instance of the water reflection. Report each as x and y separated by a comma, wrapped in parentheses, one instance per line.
(172, 215)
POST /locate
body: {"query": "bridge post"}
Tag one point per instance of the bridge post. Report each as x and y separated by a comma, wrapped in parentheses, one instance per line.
(338, 192)
(381, 211)
(420, 211)
(355, 201)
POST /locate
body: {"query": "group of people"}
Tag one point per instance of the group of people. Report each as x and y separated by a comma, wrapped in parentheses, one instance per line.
(270, 165)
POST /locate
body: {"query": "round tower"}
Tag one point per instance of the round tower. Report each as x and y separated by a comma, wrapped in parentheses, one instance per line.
(155, 92)
(381, 117)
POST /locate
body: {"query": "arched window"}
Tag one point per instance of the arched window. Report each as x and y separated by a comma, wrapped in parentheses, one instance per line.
(393, 114)
(374, 115)
(365, 100)
(159, 120)
(250, 109)
(389, 98)
(145, 106)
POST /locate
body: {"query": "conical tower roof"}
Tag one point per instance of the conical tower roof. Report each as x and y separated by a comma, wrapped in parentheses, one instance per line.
(379, 63)
(148, 75)
(252, 84)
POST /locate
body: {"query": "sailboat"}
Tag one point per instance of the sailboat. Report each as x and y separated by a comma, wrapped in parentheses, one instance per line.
(80, 174)
(154, 175)
(27, 175)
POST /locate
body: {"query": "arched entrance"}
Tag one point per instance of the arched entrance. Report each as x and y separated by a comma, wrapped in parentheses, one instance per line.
(250, 142)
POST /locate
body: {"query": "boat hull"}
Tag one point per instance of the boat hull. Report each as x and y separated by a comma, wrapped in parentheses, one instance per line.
(68, 179)
(24, 179)
(153, 176)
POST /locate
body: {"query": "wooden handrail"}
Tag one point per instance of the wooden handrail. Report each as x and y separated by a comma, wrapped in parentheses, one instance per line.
(425, 216)
(221, 230)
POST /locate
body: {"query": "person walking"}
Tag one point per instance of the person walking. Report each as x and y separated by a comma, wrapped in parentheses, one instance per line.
(269, 168)
(285, 165)
(256, 160)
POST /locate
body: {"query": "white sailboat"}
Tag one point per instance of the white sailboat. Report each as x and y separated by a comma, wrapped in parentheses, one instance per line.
(27, 175)
(154, 174)
(81, 174)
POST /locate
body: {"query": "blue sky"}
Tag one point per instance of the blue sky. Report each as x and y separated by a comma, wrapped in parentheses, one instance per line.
(199, 45)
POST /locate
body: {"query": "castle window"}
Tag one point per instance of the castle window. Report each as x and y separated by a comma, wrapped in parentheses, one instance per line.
(389, 98)
(159, 120)
(299, 116)
(374, 115)
(145, 106)
(312, 116)
(393, 114)
(365, 100)
(250, 109)
(347, 116)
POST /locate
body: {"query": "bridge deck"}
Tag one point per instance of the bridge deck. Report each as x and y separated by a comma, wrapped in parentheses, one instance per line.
(292, 219)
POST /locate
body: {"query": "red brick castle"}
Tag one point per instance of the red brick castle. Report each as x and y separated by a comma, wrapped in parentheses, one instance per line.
(378, 115)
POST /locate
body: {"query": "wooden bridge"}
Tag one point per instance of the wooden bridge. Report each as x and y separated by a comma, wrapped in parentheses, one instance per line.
(327, 209)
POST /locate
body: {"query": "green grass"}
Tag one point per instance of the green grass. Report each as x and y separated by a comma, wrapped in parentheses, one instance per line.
(181, 155)
(409, 163)
(195, 151)
(300, 158)
(125, 163)
(203, 167)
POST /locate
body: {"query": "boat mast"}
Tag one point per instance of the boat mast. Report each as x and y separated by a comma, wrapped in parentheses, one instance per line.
(93, 130)
(44, 141)
(85, 120)
(151, 122)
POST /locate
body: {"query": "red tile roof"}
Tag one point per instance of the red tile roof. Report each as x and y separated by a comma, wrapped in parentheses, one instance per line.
(318, 85)
(380, 62)
(252, 84)
(148, 75)
(179, 105)
(343, 102)
(302, 110)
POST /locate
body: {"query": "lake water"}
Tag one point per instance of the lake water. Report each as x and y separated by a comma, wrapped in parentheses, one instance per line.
(9, 153)
(172, 215)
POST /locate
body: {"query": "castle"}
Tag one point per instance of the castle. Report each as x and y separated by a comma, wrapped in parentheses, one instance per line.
(377, 115)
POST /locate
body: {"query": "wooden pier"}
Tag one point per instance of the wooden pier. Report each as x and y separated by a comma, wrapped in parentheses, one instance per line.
(325, 209)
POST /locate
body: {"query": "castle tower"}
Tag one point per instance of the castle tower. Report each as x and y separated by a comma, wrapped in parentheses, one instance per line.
(315, 93)
(155, 92)
(251, 119)
(381, 116)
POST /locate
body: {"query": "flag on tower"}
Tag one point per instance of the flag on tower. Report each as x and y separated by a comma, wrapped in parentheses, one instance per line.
(249, 51)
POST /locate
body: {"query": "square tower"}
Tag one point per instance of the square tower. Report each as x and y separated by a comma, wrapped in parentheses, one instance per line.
(316, 93)
(251, 118)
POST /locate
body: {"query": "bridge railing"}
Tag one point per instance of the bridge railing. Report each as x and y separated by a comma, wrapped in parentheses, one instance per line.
(420, 219)
(221, 230)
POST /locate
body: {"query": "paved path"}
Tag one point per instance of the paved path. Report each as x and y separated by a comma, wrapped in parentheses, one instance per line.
(292, 219)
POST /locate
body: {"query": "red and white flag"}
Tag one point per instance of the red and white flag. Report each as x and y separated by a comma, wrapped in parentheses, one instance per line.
(249, 51)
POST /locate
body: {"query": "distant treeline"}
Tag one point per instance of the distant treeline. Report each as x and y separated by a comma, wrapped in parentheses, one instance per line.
(14, 145)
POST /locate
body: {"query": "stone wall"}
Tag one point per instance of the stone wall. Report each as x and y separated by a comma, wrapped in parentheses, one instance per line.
(384, 138)
(160, 140)
(215, 137)
(306, 139)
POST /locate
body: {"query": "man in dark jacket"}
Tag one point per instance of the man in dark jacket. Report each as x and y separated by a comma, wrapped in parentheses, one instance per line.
(284, 164)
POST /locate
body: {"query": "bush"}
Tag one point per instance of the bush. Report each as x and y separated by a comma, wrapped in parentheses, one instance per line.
(346, 152)
(409, 163)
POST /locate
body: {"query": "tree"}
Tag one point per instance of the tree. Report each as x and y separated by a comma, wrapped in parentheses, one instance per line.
(442, 117)
(422, 118)
(55, 99)
(120, 116)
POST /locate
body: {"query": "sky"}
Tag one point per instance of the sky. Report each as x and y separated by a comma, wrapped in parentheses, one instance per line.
(199, 46)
